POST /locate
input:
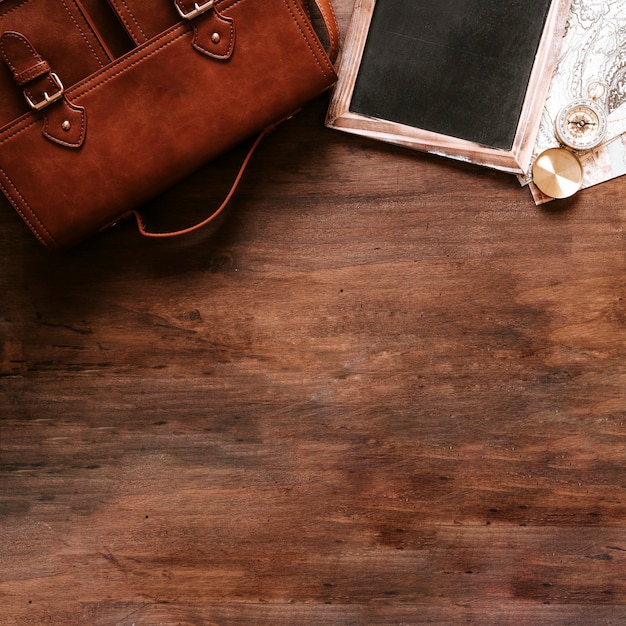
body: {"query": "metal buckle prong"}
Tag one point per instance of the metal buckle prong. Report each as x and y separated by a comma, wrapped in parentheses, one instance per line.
(47, 98)
(198, 10)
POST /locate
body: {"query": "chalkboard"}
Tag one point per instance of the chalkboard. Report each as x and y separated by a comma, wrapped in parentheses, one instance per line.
(463, 78)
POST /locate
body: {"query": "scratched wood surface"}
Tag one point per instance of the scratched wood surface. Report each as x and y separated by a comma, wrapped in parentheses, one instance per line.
(384, 389)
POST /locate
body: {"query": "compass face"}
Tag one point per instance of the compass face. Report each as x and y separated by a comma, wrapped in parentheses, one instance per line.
(581, 124)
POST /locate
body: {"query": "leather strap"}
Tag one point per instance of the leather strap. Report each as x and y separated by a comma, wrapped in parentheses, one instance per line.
(63, 122)
(30, 71)
(185, 231)
(214, 34)
(327, 12)
(328, 15)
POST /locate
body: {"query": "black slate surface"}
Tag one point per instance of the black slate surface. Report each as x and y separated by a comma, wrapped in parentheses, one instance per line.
(456, 67)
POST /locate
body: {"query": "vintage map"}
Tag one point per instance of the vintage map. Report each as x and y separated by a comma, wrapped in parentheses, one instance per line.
(593, 52)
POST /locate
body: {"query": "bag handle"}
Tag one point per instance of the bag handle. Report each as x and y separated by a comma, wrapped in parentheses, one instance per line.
(207, 220)
(330, 21)
(327, 12)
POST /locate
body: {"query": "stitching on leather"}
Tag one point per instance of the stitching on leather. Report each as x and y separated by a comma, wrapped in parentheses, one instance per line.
(107, 77)
(77, 92)
(33, 72)
(22, 214)
(313, 34)
(15, 8)
(129, 26)
(308, 43)
(134, 18)
(35, 55)
(6, 60)
(68, 144)
(82, 32)
(231, 43)
(33, 121)
(226, 4)
(213, 53)
(122, 15)
(331, 34)
(20, 129)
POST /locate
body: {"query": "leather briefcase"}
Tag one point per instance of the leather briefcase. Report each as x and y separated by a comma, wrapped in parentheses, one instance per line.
(88, 135)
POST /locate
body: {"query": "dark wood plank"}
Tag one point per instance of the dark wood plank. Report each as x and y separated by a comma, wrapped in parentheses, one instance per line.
(384, 389)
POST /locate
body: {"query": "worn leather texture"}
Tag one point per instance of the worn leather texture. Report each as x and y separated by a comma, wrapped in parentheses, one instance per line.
(65, 39)
(140, 19)
(154, 115)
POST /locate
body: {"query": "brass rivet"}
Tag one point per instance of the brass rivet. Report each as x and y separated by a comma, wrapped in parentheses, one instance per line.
(215, 37)
(66, 125)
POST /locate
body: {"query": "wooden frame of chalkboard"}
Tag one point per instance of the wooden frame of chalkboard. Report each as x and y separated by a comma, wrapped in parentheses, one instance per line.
(466, 79)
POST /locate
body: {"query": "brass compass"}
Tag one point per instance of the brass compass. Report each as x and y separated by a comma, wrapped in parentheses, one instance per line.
(580, 125)
(558, 173)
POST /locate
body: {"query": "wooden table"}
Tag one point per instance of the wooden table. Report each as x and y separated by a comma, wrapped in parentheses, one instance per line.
(385, 388)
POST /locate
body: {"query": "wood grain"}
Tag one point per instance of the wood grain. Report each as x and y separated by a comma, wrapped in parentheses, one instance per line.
(384, 389)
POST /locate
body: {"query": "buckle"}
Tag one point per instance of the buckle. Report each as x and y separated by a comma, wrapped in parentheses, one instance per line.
(47, 98)
(197, 10)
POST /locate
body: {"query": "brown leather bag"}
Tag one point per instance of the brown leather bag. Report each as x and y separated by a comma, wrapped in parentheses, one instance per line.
(86, 138)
